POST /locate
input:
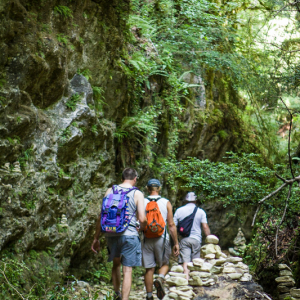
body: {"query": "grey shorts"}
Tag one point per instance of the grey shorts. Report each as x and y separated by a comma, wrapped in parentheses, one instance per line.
(189, 249)
(127, 247)
(153, 252)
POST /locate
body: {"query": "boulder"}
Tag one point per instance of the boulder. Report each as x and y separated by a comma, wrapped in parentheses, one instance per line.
(177, 269)
(291, 283)
(284, 267)
(228, 270)
(173, 295)
(283, 289)
(218, 251)
(242, 266)
(190, 266)
(195, 281)
(184, 288)
(220, 261)
(209, 282)
(246, 277)
(176, 281)
(217, 270)
(235, 276)
(174, 274)
(285, 273)
(284, 279)
(208, 249)
(234, 260)
(212, 239)
(295, 293)
(198, 262)
(282, 296)
(206, 267)
(210, 256)
(200, 274)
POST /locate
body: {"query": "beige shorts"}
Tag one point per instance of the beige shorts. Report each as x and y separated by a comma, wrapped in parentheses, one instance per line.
(152, 252)
(189, 249)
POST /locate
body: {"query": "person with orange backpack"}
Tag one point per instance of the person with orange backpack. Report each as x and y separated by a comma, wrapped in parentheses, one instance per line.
(156, 248)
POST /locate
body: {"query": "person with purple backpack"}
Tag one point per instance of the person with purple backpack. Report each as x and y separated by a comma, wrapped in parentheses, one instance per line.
(122, 217)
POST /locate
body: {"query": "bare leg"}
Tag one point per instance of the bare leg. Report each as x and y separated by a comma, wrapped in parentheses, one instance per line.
(127, 272)
(163, 270)
(116, 274)
(149, 280)
(186, 271)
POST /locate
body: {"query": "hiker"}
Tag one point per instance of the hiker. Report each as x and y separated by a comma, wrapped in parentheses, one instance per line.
(188, 219)
(123, 205)
(156, 247)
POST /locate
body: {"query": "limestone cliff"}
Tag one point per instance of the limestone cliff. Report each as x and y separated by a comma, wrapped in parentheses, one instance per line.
(60, 62)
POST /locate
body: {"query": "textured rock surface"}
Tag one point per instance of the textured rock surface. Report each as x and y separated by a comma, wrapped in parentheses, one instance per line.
(58, 153)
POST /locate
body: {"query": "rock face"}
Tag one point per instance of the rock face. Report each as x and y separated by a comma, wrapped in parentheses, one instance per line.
(62, 95)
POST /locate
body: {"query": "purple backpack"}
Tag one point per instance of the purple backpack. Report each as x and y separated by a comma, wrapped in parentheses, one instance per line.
(115, 211)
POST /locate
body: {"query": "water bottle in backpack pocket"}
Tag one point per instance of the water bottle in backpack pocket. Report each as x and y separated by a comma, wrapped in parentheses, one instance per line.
(115, 211)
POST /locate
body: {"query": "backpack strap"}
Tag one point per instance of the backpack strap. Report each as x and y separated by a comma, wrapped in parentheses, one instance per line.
(193, 215)
(120, 205)
(153, 199)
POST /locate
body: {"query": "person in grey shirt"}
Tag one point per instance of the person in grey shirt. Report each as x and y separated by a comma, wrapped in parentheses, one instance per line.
(190, 246)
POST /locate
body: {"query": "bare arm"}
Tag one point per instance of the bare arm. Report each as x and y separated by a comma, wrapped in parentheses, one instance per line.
(139, 201)
(172, 228)
(96, 244)
(205, 229)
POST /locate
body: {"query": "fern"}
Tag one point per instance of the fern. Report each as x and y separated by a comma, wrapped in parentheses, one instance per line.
(65, 11)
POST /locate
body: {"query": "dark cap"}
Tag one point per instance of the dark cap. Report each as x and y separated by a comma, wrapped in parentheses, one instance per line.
(153, 182)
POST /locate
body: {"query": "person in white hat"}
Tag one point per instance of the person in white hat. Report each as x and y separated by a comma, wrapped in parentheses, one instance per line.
(189, 219)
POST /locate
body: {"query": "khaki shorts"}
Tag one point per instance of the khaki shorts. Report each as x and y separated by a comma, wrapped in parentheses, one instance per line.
(189, 249)
(153, 251)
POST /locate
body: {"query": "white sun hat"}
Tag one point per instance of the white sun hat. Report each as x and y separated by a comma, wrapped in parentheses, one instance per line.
(191, 196)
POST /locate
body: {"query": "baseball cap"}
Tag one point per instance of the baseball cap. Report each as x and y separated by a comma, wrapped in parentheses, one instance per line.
(190, 196)
(153, 182)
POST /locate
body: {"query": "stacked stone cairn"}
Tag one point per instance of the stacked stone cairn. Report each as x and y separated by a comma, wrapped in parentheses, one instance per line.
(179, 288)
(239, 243)
(205, 271)
(285, 283)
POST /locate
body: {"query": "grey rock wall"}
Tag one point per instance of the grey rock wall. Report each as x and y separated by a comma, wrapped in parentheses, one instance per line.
(58, 153)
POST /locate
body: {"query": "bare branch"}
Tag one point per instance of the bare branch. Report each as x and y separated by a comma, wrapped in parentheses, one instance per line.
(3, 273)
(273, 193)
(277, 231)
(280, 177)
(265, 198)
(289, 144)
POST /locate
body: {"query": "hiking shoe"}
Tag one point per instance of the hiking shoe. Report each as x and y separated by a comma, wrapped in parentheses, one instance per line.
(117, 296)
(150, 298)
(159, 285)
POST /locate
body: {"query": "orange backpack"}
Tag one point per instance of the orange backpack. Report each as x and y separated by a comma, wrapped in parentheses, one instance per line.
(155, 221)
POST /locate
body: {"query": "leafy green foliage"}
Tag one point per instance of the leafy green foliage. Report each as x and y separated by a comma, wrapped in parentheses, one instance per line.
(61, 38)
(137, 127)
(25, 157)
(86, 73)
(73, 100)
(239, 182)
(64, 11)
(98, 93)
